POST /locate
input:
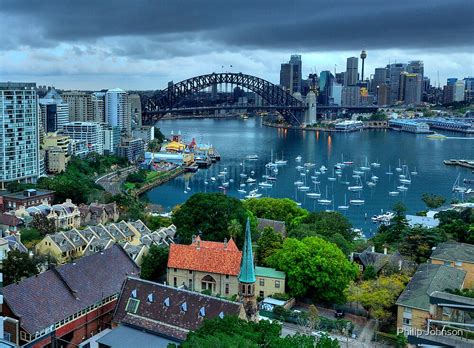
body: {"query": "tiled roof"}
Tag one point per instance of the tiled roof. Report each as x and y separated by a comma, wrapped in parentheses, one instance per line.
(169, 320)
(452, 251)
(10, 220)
(278, 226)
(51, 296)
(13, 244)
(427, 279)
(206, 256)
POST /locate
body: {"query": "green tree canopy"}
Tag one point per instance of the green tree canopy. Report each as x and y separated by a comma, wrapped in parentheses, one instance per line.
(159, 135)
(154, 145)
(314, 268)
(154, 263)
(417, 242)
(19, 265)
(42, 224)
(209, 214)
(433, 201)
(281, 209)
(269, 242)
(324, 224)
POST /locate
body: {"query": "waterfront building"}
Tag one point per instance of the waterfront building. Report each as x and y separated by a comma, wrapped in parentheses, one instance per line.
(68, 302)
(19, 133)
(351, 75)
(157, 315)
(410, 88)
(457, 255)
(178, 158)
(410, 126)
(394, 71)
(349, 126)
(132, 149)
(458, 93)
(451, 125)
(26, 198)
(54, 111)
(80, 105)
(117, 109)
(91, 132)
(351, 96)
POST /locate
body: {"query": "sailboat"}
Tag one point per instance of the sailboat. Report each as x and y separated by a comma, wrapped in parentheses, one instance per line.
(332, 178)
(303, 188)
(298, 158)
(389, 171)
(399, 168)
(414, 172)
(375, 164)
(356, 202)
(406, 179)
(366, 166)
(281, 162)
(316, 193)
(357, 187)
(345, 206)
(325, 201)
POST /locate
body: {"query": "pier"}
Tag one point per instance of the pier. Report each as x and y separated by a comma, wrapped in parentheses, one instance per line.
(460, 162)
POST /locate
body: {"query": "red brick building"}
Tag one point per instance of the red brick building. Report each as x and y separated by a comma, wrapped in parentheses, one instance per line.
(27, 198)
(70, 303)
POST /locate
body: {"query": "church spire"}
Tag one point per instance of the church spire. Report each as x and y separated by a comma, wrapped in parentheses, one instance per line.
(247, 269)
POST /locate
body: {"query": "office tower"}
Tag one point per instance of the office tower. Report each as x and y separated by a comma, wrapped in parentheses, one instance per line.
(111, 139)
(90, 132)
(416, 67)
(469, 85)
(80, 105)
(394, 71)
(410, 88)
(351, 96)
(363, 55)
(54, 112)
(336, 94)
(451, 81)
(285, 76)
(117, 109)
(98, 107)
(350, 76)
(448, 94)
(135, 109)
(340, 77)
(296, 73)
(380, 78)
(325, 84)
(458, 94)
(383, 94)
(19, 128)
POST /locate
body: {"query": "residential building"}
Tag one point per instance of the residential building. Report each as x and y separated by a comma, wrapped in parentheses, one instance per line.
(79, 148)
(10, 224)
(165, 313)
(205, 266)
(457, 255)
(19, 133)
(269, 281)
(135, 109)
(98, 107)
(68, 303)
(57, 140)
(278, 226)
(65, 215)
(383, 263)
(80, 106)
(146, 133)
(410, 88)
(413, 305)
(131, 149)
(459, 90)
(56, 160)
(111, 136)
(351, 96)
(448, 93)
(98, 213)
(27, 198)
(54, 112)
(91, 132)
(351, 76)
(117, 109)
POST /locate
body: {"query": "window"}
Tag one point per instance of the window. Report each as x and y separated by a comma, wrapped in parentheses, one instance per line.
(407, 310)
(277, 284)
(261, 282)
(458, 263)
(226, 276)
(227, 289)
(406, 321)
(190, 284)
(190, 272)
(175, 282)
(132, 305)
(447, 263)
(175, 270)
(261, 294)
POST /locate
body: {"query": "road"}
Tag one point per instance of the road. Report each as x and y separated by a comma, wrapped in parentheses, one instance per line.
(113, 183)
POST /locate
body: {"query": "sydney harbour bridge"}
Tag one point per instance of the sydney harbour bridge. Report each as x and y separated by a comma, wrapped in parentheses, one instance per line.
(292, 109)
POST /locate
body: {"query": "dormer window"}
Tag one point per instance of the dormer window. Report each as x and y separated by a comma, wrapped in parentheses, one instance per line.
(183, 307)
(134, 293)
(166, 302)
(202, 312)
(221, 315)
(150, 298)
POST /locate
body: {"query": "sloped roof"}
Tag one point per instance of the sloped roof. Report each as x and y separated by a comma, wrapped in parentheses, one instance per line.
(49, 297)
(205, 256)
(427, 279)
(269, 273)
(453, 251)
(10, 220)
(170, 321)
(278, 226)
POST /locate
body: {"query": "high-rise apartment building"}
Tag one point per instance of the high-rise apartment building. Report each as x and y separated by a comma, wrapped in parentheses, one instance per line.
(98, 107)
(410, 88)
(117, 109)
(351, 74)
(19, 133)
(80, 105)
(459, 89)
(54, 112)
(394, 71)
(135, 109)
(90, 132)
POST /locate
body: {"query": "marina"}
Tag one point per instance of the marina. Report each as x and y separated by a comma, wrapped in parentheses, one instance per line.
(373, 169)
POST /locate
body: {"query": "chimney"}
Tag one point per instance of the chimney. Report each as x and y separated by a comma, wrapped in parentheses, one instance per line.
(351, 256)
(373, 249)
(225, 243)
(385, 251)
(400, 265)
(198, 245)
(18, 236)
(194, 239)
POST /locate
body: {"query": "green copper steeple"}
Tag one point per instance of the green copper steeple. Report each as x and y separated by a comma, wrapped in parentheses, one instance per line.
(247, 268)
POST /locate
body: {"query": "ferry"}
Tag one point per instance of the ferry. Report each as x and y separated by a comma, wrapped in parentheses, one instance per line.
(349, 126)
(436, 136)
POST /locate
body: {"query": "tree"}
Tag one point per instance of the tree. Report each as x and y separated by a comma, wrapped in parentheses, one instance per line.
(154, 145)
(324, 224)
(234, 228)
(417, 242)
(43, 225)
(267, 244)
(369, 273)
(378, 296)
(280, 209)
(309, 320)
(433, 201)
(19, 265)
(210, 215)
(159, 136)
(154, 263)
(314, 268)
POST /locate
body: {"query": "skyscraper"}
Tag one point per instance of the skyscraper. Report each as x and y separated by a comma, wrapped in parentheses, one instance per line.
(80, 105)
(380, 78)
(54, 112)
(351, 96)
(394, 71)
(410, 88)
(19, 138)
(326, 80)
(98, 107)
(458, 94)
(285, 76)
(117, 109)
(135, 109)
(350, 76)
(296, 73)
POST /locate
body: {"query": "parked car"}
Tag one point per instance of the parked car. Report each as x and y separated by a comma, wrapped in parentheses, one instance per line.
(339, 314)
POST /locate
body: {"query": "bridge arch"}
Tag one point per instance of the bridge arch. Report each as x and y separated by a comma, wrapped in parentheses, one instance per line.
(274, 95)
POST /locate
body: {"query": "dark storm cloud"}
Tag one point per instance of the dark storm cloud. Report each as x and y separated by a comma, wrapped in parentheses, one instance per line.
(175, 27)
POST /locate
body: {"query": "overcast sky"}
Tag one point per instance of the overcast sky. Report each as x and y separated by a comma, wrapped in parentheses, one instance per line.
(143, 44)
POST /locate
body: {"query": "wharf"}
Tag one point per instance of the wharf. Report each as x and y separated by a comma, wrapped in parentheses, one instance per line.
(460, 162)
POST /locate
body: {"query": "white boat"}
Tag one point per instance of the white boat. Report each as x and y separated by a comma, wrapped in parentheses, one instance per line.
(401, 176)
(356, 202)
(355, 188)
(253, 195)
(252, 157)
(317, 172)
(389, 171)
(348, 163)
(383, 218)
(457, 186)
(394, 193)
(356, 176)
(322, 169)
(325, 201)
(225, 184)
(265, 184)
(375, 164)
(309, 165)
(399, 168)
(213, 179)
(313, 195)
(374, 177)
(414, 172)
(332, 178)
(231, 180)
(242, 185)
(243, 175)
(371, 184)
(242, 191)
(298, 168)
(357, 172)
(405, 181)
(302, 174)
(206, 182)
(402, 188)
(280, 162)
(303, 188)
(271, 178)
(365, 167)
(345, 206)
(298, 158)
(251, 180)
(298, 183)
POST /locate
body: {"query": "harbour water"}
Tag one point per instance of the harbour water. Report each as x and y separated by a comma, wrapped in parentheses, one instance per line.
(235, 139)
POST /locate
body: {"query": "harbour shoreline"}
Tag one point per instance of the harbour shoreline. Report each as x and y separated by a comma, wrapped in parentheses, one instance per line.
(321, 129)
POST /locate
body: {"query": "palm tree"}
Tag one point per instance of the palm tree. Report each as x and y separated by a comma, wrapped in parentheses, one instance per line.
(234, 228)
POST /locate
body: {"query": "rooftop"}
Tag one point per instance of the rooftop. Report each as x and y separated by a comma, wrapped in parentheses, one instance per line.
(453, 251)
(427, 279)
(269, 273)
(125, 337)
(21, 195)
(424, 221)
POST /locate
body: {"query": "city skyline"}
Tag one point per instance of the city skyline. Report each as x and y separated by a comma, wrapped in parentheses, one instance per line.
(143, 46)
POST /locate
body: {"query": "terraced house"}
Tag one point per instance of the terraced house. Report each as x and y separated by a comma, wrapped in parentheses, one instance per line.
(134, 237)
